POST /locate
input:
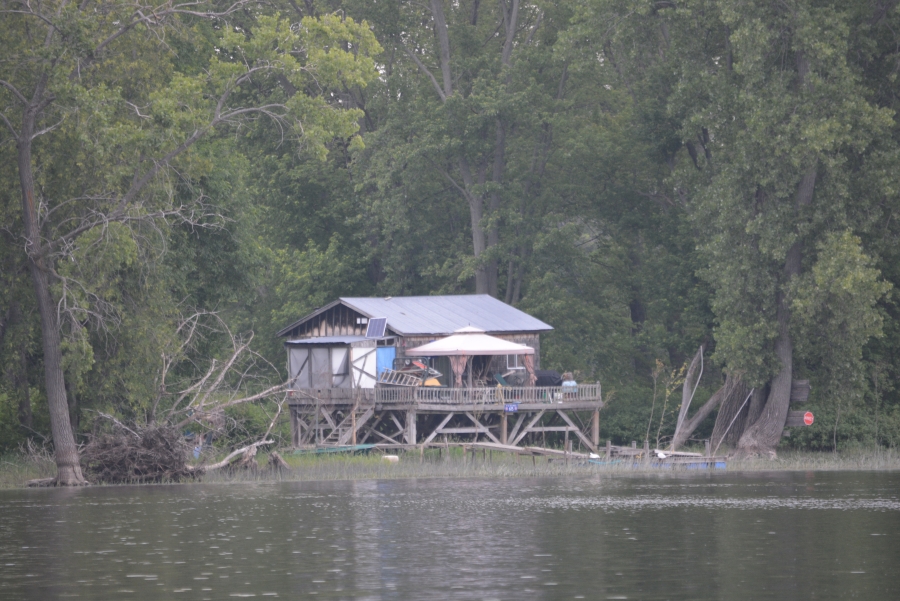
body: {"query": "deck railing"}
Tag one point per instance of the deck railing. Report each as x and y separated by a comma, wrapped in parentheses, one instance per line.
(428, 395)
(499, 395)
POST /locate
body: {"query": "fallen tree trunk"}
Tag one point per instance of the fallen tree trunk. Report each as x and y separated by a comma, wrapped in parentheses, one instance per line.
(247, 456)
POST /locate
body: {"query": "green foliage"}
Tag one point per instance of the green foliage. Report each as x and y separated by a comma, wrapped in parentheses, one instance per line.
(646, 202)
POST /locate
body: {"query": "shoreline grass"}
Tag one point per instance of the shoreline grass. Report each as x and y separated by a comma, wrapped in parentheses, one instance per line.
(15, 470)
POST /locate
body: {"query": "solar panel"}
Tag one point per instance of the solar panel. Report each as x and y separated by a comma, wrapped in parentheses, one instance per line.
(376, 328)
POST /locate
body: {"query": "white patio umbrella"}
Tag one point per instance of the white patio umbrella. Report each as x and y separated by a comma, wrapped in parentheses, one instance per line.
(467, 342)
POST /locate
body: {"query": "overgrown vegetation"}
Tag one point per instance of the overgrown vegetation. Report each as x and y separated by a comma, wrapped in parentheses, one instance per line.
(648, 177)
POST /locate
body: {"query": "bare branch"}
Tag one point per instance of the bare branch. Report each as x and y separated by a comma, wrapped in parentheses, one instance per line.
(424, 69)
(10, 126)
(15, 91)
(256, 397)
(440, 28)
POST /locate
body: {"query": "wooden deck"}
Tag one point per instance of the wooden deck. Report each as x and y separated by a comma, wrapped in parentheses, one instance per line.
(507, 415)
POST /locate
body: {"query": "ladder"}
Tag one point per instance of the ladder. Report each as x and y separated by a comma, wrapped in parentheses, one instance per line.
(399, 378)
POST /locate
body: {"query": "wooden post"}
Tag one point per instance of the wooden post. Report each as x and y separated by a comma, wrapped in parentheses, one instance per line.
(595, 428)
(646, 450)
(706, 447)
(608, 450)
(353, 425)
(411, 427)
(503, 428)
(633, 444)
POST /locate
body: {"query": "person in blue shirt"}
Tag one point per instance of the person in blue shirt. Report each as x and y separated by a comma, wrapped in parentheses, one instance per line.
(569, 386)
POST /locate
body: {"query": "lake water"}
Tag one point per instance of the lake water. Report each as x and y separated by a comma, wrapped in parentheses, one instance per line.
(813, 535)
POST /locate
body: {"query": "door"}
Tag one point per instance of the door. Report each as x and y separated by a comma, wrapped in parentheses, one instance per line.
(384, 358)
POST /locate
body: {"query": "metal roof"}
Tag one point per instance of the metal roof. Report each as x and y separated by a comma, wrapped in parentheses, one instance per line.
(441, 315)
(329, 340)
(408, 315)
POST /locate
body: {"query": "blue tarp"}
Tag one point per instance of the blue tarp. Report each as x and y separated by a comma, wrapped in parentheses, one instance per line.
(384, 358)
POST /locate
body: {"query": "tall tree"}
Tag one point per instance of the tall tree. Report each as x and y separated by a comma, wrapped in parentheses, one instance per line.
(775, 135)
(105, 123)
(469, 86)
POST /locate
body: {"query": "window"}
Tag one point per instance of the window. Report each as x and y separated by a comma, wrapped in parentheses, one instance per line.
(515, 362)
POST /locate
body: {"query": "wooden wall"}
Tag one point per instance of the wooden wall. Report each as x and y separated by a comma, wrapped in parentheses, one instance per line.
(337, 321)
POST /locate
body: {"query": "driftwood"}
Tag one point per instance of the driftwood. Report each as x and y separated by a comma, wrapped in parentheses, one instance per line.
(126, 455)
(150, 454)
(277, 462)
(41, 483)
(247, 458)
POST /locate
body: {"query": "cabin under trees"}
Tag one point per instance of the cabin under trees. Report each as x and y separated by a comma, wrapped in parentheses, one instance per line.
(356, 376)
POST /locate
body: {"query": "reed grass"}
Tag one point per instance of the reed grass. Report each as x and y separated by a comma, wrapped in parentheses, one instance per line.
(15, 470)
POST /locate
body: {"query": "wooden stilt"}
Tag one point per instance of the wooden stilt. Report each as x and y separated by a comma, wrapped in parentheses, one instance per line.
(608, 450)
(503, 428)
(595, 428)
(411, 427)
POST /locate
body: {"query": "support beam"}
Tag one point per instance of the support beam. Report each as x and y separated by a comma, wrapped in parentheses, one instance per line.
(386, 437)
(371, 429)
(485, 429)
(355, 426)
(438, 429)
(503, 428)
(595, 428)
(400, 428)
(578, 431)
(518, 425)
(534, 420)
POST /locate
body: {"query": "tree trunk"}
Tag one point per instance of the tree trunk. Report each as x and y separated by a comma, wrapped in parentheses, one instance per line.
(25, 414)
(68, 465)
(764, 434)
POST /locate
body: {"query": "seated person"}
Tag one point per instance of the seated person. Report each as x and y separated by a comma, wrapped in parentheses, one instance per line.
(569, 385)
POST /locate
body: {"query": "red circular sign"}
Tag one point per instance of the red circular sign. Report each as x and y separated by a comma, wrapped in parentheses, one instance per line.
(808, 418)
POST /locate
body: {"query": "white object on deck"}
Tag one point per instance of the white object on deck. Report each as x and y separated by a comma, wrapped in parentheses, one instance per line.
(391, 458)
(470, 341)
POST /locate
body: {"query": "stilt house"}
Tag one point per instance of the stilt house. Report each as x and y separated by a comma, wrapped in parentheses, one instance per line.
(349, 342)
(342, 358)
